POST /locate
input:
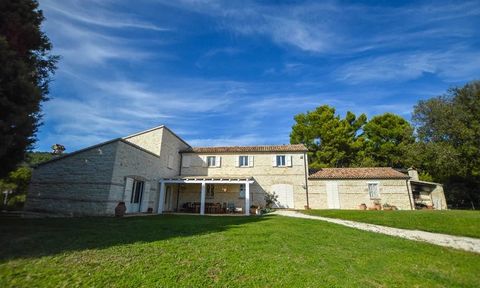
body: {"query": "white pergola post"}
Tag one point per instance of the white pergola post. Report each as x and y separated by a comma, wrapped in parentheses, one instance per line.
(202, 199)
(247, 198)
(161, 199)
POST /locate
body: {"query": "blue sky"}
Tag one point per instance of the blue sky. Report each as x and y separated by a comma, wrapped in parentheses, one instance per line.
(236, 72)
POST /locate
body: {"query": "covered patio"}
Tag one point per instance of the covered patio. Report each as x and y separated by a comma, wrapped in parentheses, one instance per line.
(201, 194)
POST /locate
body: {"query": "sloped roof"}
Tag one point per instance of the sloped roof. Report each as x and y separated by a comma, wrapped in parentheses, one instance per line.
(265, 148)
(357, 173)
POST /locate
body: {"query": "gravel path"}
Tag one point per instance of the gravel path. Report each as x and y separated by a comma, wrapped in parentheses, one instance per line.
(457, 242)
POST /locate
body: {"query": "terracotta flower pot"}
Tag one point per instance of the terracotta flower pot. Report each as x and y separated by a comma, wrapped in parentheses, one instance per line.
(120, 209)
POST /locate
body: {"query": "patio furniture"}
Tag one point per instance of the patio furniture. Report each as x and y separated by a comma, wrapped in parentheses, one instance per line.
(231, 207)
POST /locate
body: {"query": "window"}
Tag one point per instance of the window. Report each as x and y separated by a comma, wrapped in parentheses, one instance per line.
(373, 190)
(186, 161)
(137, 192)
(243, 161)
(170, 162)
(281, 160)
(210, 192)
(211, 161)
(242, 191)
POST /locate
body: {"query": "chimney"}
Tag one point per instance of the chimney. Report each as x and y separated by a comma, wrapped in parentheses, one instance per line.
(412, 172)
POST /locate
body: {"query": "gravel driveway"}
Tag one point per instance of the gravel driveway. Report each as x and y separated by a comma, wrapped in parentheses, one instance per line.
(457, 242)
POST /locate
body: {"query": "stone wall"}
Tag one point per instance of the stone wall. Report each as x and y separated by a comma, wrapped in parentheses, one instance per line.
(150, 140)
(76, 184)
(264, 173)
(355, 192)
(439, 195)
(135, 163)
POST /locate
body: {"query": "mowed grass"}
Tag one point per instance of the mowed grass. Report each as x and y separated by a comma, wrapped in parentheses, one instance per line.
(452, 222)
(193, 251)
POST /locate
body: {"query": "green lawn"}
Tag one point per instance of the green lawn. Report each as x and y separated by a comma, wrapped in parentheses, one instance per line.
(193, 251)
(453, 222)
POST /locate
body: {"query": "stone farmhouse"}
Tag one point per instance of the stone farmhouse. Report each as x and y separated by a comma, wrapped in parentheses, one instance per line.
(156, 171)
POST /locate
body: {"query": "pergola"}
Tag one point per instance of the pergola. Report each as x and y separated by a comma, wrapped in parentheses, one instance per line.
(204, 181)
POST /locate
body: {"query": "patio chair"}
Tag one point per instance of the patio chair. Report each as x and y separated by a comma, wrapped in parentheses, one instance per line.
(231, 207)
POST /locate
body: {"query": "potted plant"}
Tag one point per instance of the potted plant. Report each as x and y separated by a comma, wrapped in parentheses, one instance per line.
(362, 206)
(253, 210)
(377, 205)
(387, 207)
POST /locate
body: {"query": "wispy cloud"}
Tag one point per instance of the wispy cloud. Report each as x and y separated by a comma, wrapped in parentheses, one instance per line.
(235, 73)
(408, 65)
(93, 12)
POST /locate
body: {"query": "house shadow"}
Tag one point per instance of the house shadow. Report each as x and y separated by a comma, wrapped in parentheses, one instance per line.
(33, 238)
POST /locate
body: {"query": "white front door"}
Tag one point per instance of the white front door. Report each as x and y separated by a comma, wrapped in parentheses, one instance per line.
(136, 198)
(333, 200)
(284, 194)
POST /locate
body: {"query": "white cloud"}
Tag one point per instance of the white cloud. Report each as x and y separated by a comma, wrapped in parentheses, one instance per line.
(92, 12)
(450, 65)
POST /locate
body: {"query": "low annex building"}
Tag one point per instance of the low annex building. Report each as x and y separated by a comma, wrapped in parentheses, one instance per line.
(156, 171)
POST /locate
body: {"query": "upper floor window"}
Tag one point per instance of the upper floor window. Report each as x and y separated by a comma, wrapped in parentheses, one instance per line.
(282, 161)
(373, 190)
(243, 161)
(212, 161)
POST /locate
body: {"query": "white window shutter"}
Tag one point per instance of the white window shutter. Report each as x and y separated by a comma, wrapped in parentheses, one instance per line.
(145, 197)
(127, 196)
(237, 161)
(288, 160)
(186, 161)
(274, 160)
(250, 161)
(204, 161)
(218, 161)
(170, 161)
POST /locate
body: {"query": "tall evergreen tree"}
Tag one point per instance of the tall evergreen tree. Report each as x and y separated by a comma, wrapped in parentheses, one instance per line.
(387, 140)
(25, 68)
(331, 140)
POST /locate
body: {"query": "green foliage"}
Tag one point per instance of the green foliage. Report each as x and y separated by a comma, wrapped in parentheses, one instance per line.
(331, 140)
(448, 129)
(34, 158)
(388, 137)
(425, 176)
(270, 199)
(19, 179)
(25, 69)
(193, 251)
(16, 181)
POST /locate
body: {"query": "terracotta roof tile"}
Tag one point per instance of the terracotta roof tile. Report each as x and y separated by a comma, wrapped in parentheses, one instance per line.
(357, 173)
(266, 148)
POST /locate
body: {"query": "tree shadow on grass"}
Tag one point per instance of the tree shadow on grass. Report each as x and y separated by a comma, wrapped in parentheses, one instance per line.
(31, 238)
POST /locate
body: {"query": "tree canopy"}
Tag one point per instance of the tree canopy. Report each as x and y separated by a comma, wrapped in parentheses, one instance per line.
(332, 141)
(443, 143)
(448, 128)
(25, 69)
(387, 140)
